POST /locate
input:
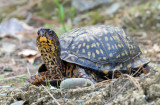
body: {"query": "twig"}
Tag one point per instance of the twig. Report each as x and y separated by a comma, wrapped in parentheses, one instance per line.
(45, 20)
(117, 92)
(135, 82)
(28, 70)
(51, 96)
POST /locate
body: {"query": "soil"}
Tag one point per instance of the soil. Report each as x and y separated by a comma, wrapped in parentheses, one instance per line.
(124, 90)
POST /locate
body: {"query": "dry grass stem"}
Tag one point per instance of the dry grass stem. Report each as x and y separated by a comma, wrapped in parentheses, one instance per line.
(51, 95)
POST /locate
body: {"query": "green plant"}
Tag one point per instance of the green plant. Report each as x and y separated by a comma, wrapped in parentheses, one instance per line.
(72, 13)
(47, 25)
(61, 13)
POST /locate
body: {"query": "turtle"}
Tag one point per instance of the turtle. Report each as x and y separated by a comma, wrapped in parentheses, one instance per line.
(93, 52)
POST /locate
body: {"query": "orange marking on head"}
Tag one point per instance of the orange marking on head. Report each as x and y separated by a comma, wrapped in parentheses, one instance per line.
(43, 39)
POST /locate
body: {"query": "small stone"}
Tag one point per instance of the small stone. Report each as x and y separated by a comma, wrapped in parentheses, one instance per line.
(80, 101)
(3, 94)
(53, 88)
(148, 80)
(83, 5)
(18, 103)
(114, 7)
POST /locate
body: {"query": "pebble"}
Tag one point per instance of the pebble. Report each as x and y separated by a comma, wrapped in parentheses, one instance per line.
(80, 101)
(18, 103)
(83, 5)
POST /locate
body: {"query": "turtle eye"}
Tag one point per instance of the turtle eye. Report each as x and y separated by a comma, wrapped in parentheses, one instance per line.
(51, 33)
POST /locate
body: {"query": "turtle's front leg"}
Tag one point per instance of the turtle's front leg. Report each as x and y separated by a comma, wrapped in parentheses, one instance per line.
(41, 78)
(37, 78)
(83, 74)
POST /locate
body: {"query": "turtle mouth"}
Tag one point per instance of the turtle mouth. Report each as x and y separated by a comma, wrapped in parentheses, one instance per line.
(43, 39)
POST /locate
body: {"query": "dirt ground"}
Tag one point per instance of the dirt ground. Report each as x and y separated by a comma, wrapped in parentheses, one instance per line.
(127, 90)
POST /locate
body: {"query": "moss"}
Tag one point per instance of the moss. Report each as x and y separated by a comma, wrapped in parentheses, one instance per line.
(96, 17)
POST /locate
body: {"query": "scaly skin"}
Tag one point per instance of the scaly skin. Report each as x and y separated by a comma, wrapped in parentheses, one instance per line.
(48, 45)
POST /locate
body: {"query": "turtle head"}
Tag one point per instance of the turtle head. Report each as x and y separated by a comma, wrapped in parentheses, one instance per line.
(46, 34)
(49, 46)
(48, 40)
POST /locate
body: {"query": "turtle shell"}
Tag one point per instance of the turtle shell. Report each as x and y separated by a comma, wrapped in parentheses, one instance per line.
(101, 47)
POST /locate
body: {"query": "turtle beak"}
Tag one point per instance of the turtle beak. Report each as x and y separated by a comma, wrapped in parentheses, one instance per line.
(43, 39)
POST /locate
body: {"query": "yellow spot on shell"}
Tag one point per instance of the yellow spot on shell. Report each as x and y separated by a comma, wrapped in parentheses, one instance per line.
(99, 58)
(104, 58)
(121, 65)
(108, 44)
(102, 66)
(124, 35)
(79, 46)
(130, 52)
(109, 48)
(119, 45)
(83, 50)
(105, 71)
(126, 52)
(87, 46)
(93, 55)
(123, 54)
(72, 58)
(77, 51)
(113, 46)
(117, 38)
(93, 45)
(106, 38)
(118, 56)
(87, 39)
(84, 44)
(82, 39)
(89, 53)
(105, 31)
(97, 44)
(111, 55)
(117, 67)
(101, 51)
(73, 47)
(114, 37)
(107, 67)
(97, 51)
(92, 38)
(116, 46)
(96, 64)
(111, 38)
(122, 45)
(129, 65)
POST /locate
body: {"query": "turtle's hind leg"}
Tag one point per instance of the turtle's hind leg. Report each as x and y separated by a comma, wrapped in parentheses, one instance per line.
(83, 74)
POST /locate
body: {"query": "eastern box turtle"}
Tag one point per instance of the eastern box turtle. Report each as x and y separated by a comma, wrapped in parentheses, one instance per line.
(92, 52)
